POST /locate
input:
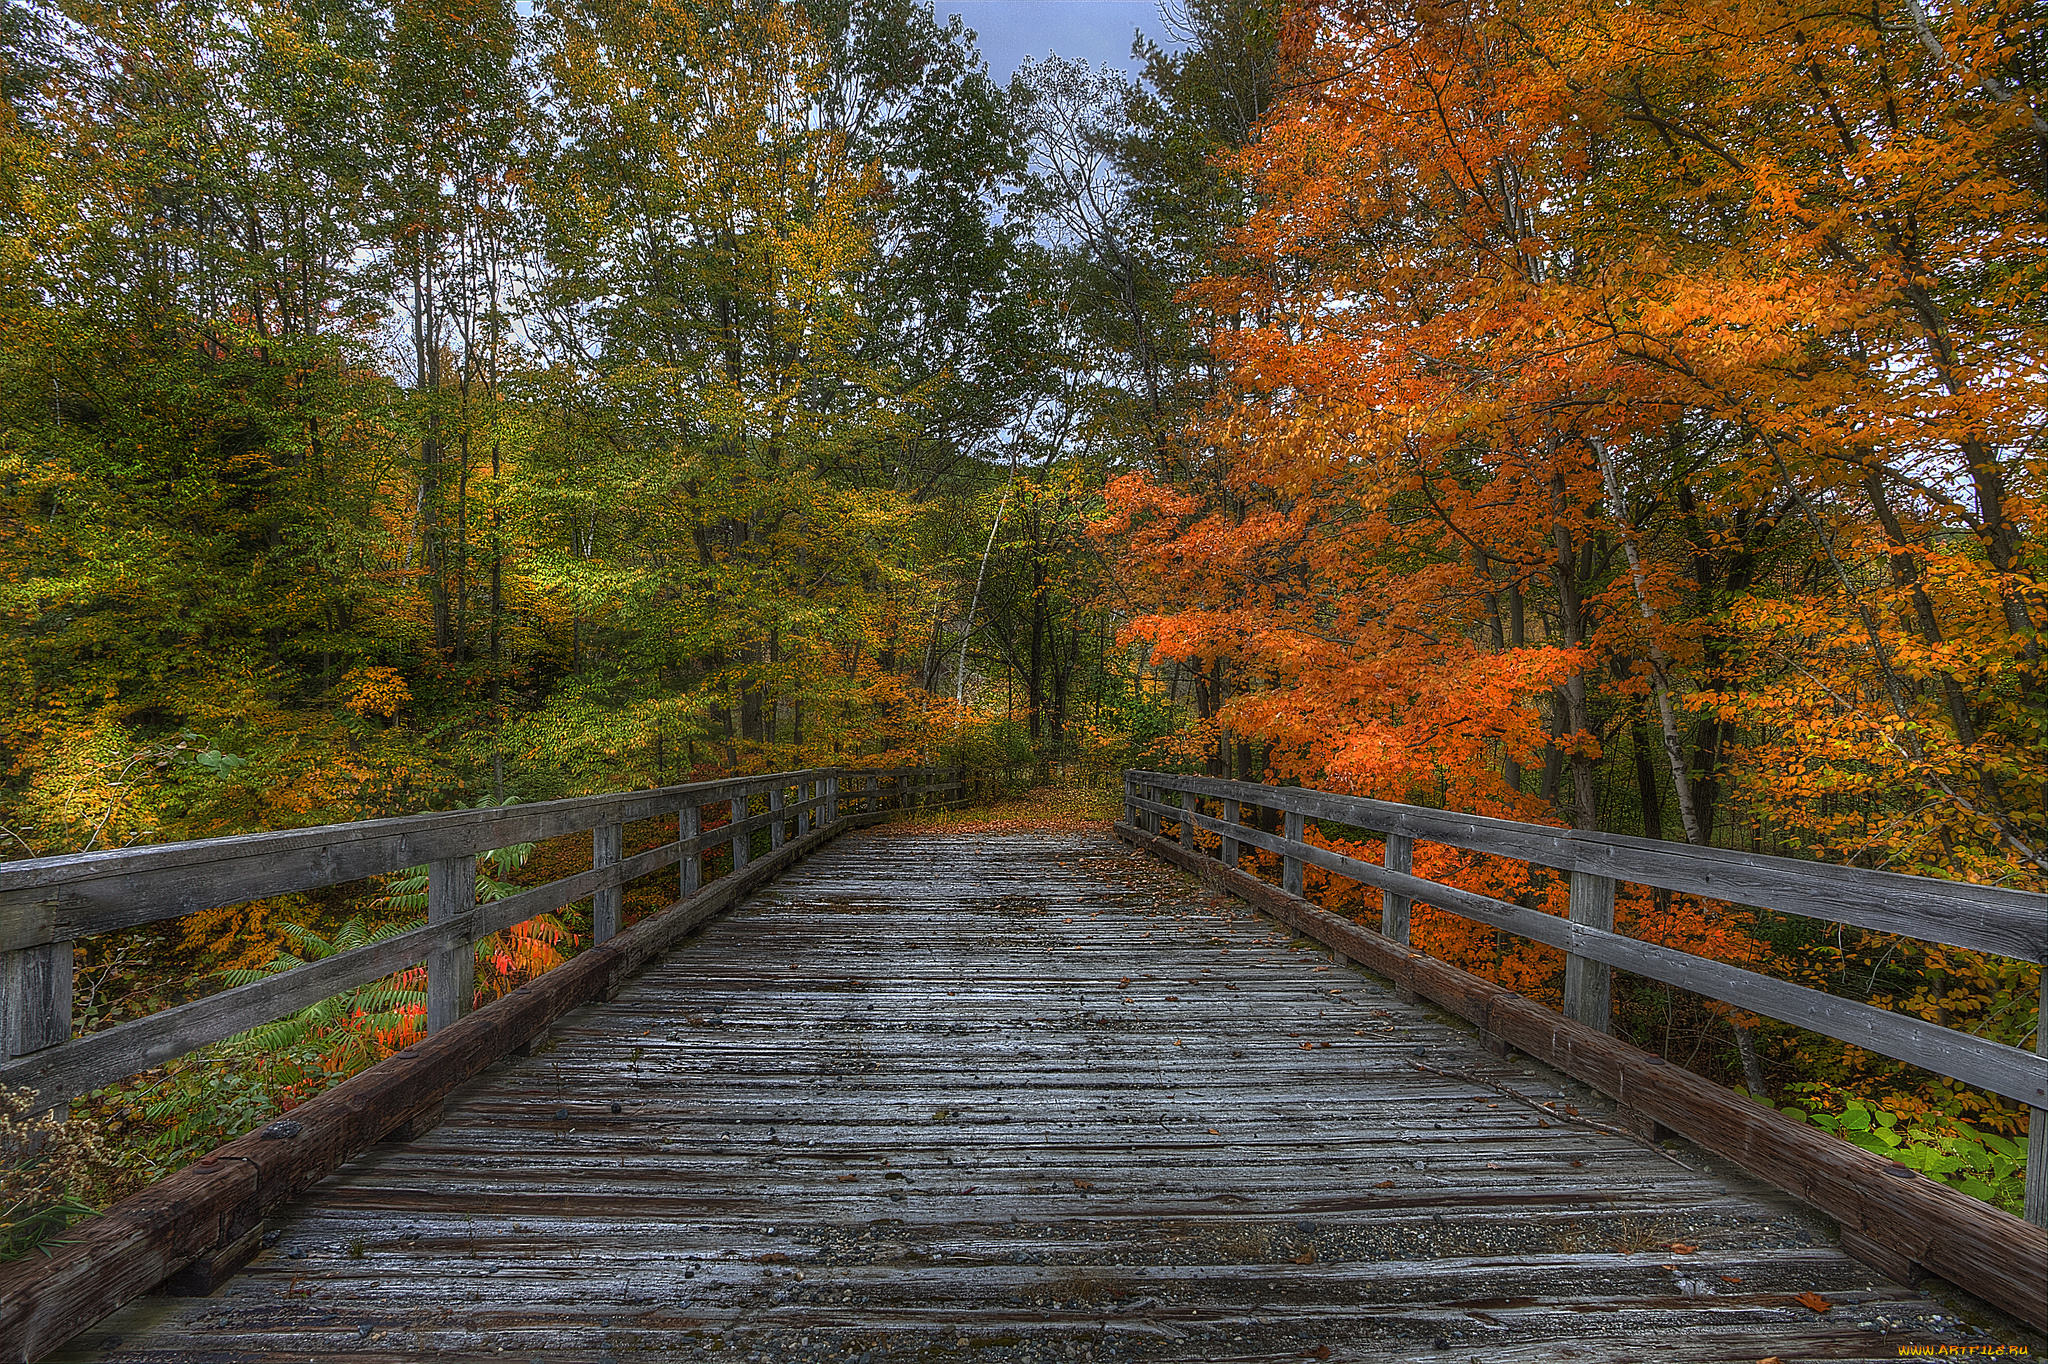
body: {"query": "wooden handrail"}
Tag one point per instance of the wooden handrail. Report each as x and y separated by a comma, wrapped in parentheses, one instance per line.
(1985, 918)
(2010, 923)
(47, 904)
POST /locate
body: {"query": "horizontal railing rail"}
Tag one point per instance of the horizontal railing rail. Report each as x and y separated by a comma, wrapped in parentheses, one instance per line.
(48, 904)
(1991, 919)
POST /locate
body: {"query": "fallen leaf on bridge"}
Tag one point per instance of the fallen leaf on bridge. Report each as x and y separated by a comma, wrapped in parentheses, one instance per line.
(1384, 1184)
(1814, 1301)
(1680, 1248)
(1307, 1257)
(1084, 1183)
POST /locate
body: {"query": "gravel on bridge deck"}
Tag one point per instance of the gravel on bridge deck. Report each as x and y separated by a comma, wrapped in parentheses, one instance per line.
(1026, 1098)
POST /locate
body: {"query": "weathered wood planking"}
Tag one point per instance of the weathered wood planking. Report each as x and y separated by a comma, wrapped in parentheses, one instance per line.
(46, 899)
(1994, 1066)
(37, 1050)
(1028, 1098)
(1895, 1217)
(81, 1064)
(2011, 923)
(53, 899)
(203, 1214)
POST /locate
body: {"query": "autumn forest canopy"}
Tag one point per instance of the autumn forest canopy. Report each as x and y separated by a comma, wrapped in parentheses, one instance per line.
(1619, 413)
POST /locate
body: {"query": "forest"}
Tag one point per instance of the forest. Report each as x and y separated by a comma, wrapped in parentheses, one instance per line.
(1617, 415)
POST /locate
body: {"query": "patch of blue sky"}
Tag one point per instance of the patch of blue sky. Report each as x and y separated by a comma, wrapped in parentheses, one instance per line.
(1096, 31)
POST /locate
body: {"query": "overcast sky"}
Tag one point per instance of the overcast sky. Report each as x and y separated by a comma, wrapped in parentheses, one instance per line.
(1098, 30)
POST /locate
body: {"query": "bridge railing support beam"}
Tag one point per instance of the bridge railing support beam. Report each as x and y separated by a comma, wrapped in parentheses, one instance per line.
(2036, 1195)
(606, 843)
(1588, 985)
(1400, 857)
(37, 1001)
(740, 806)
(451, 973)
(690, 877)
(1291, 867)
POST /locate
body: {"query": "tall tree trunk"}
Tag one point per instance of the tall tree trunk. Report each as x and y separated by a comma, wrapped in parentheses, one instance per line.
(1568, 574)
(1660, 662)
(1651, 796)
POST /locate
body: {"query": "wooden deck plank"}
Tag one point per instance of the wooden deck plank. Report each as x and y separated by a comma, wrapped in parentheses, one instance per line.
(1025, 1098)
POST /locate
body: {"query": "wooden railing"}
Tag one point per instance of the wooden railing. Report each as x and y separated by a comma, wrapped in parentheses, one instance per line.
(48, 904)
(1990, 919)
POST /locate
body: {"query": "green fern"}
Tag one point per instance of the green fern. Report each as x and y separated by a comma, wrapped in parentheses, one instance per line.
(406, 891)
(380, 1005)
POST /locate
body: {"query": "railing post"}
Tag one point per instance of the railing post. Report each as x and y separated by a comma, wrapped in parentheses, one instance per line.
(775, 808)
(832, 797)
(873, 803)
(1394, 908)
(35, 999)
(741, 805)
(2035, 1206)
(1290, 874)
(1231, 849)
(689, 823)
(1588, 984)
(1130, 800)
(1187, 824)
(606, 841)
(451, 974)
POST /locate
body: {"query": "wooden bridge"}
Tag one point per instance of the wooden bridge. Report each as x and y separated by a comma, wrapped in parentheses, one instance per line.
(1016, 1097)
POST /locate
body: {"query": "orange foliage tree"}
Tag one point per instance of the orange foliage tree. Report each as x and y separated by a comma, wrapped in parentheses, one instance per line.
(1636, 423)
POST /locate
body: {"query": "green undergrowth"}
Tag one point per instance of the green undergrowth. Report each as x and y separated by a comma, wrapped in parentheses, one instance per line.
(1984, 1165)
